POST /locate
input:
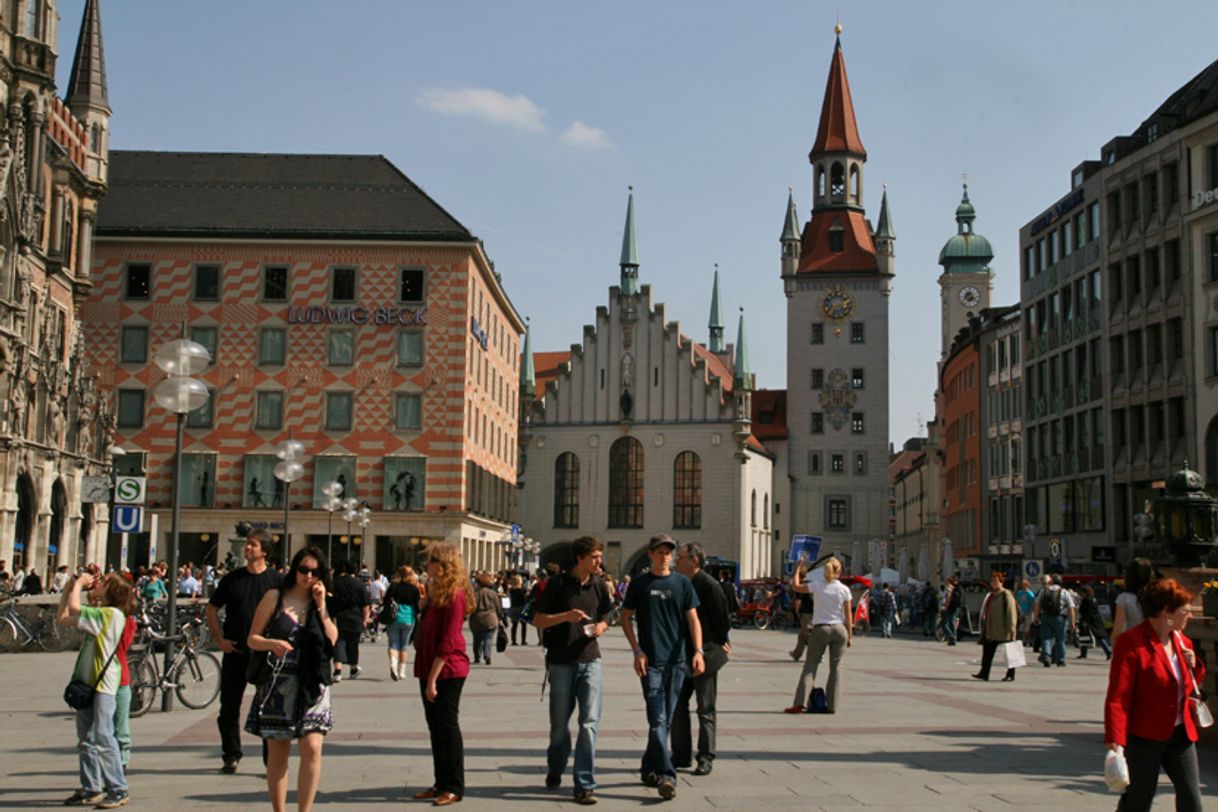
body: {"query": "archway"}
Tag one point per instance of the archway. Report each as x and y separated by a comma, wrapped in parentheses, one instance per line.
(637, 562)
(59, 516)
(86, 529)
(27, 516)
(560, 554)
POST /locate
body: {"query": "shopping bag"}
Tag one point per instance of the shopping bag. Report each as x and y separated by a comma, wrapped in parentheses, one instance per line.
(1116, 771)
(1012, 652)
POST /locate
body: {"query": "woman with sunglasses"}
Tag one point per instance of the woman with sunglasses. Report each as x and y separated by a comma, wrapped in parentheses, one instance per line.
(292, 625)
(441, 666)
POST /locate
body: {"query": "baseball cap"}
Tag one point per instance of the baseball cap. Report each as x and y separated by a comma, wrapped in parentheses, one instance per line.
(660, 541)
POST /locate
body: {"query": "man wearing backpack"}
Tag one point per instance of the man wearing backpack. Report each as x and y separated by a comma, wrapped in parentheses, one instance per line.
(1053, 609)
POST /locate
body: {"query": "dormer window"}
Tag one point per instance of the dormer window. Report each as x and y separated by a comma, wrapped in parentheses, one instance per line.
(836, 237)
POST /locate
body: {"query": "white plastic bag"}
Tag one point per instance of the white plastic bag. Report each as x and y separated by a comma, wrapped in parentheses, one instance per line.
(1116, 771)
(1204, 717)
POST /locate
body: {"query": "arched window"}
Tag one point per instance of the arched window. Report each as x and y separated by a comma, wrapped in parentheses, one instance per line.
(854, 182)
(765, 513)
(687, 491)
(820, 181)
(566, 490)
(626, 483)
(31, 18)
(837, 181)
(753, 509)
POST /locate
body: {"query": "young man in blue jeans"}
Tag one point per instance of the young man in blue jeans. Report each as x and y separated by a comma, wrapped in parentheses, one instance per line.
(571, 612)
(665, 606)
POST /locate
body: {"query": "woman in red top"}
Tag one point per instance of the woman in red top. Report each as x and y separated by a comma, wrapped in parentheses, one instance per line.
(441, 666)
(1148, 710)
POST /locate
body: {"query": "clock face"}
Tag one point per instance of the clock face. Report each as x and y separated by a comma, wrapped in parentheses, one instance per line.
(837, 304)
(970, 297)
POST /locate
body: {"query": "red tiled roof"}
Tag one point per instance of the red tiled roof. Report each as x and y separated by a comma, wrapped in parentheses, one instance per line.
(838, 131)
(770, 414)
(755, 444)
(858, 248)
(545, 367)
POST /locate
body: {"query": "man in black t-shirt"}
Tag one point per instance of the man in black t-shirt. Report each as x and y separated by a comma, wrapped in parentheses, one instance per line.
(238, 594)
(571, 613)
(351, 612)
(666, 607)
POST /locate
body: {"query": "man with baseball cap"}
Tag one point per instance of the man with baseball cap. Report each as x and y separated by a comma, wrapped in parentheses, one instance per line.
(664, 604)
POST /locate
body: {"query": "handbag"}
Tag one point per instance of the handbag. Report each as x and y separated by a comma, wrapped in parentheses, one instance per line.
(501, 640)
(258, 667)
(79, 694)
(1197, 698)
(388, 613)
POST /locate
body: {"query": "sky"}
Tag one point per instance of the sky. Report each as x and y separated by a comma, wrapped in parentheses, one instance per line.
(528, 120)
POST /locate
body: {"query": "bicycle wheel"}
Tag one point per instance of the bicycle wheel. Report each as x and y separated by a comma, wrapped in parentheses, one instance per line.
(143, 684)
(8, 634)
(761, 620)
(198, 679)
(49, 634)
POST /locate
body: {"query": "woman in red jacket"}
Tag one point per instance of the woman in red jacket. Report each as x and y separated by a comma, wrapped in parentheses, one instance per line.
(1148, 710)
(441, 666)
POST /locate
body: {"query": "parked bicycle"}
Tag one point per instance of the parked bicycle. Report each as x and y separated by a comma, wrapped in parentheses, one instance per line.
(16, 630)
(194, 676)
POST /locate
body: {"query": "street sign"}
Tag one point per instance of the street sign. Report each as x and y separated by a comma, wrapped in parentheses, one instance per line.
(129, 490)
(1055, 548)
(1103, 555)
(515, 533)
(788, 568)
(128, 519)
(806, 548)
(1032, 569)
(95, 489)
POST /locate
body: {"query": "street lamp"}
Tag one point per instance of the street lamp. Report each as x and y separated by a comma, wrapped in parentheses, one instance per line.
(364, 519)
(331, 503)
(288, 471)
(350, 513)
(180, 394)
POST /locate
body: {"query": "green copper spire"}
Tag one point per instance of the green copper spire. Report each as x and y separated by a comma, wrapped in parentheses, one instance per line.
(528, 375)
(884, 229)
(716, 316)
(743, 379)
(630, 252)
(790, 228)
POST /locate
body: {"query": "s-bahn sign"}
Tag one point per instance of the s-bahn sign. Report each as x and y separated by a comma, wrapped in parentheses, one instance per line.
(130, 490)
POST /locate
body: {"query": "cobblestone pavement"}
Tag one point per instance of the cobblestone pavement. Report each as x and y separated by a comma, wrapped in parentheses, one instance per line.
(913, 732)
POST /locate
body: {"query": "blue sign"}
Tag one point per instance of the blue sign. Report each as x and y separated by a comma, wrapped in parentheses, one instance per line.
(805, 548)
(128, 519)
(515, 533)
(52, 550)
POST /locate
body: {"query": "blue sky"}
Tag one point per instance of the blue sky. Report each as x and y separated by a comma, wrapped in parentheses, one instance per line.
(527, 120)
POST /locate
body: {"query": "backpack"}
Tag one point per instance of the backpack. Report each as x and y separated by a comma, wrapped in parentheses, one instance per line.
(1051, 601)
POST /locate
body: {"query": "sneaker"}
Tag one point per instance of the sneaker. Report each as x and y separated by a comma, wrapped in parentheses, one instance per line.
(553, 781)
(114, 799)
(230, 765)
(668, 790)
(338, 677)
(393, 673)
(651, 780)
(794, 709)
(356, 671)
(585, 797)
(84, 797)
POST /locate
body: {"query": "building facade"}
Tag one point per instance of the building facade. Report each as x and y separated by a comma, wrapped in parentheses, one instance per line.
(1200, 142)
(343, 308)
(958, 411)
(915, 472)
(837, 276)
(640, 430)
(54, 426)
(1002, 519)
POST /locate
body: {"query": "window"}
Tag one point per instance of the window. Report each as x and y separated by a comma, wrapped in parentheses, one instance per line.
(197, 480)
(30, 28)
(836, 238)
(856, 423)
(275, 283)
(208, 337)
(1213, 356)
(753, 508)
(1212, 157)
(333, 468)
(860, 463)
(1151, 185)
(1115, 283)
(1093, 221)
(340, 348)
(268, 412)
(837, 463)
(1175, 337)
(818, 379)
(410, 348)
(566, 490)
(207, 283)
(261, 487)
(1133, 268)
(411, 287)
(687, 491)
(130, 408)
(818, 422)
(272, 345)
(407, 411)
(818, 332)
(857, 335)
(1211, 242)
(1171, 249)
(201, 418)
(856, 378)
(342, 284)
(813, 462)
(838, 510)
(133, 345)
(1154, 276)
(139, 281)
(626, 483)
(1171, 180)
(405, 483)
(338, 411)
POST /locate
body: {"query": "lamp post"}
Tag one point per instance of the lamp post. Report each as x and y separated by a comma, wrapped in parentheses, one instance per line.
(350, 513)
(178, 393)
(288, 471)
(364, 519)
(331, 503)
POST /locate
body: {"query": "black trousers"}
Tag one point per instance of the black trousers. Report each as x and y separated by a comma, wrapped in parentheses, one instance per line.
(232, 692)
(347, 650)
(706, 688)
(444, 724)
(988, 650)
(1177, 756)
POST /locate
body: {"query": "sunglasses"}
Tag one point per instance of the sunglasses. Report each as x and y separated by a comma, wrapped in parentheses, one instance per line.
(314, 571)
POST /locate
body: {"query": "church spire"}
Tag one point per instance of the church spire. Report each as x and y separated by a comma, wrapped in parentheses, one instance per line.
(528, 373)
(716, 316)
(838, 131)
(743, 378)
(965, 214)
(790, 227)
(87, 82)
(630, 252)
(884, 229)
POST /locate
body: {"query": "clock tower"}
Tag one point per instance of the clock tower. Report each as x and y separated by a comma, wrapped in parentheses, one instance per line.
(967, 281)
(837, 275)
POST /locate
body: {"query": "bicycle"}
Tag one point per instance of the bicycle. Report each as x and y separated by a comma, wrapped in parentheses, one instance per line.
(16, 630)
(193, 675)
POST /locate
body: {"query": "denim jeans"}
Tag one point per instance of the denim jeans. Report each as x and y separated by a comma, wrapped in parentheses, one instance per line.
(571, 685)
(948, 623)
(1053, 628)
(887, 624)
(100, 767)
(122, 724)
(399, 635)
(661, 692)
(484, 644)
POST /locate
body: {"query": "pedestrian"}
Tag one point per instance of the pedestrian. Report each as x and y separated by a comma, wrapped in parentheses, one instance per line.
(376, 588)
(518, 597)
(60, 579)
(572, 616)
(716, 623)
(804, 607)
(441, 665)
(350, 610)
(539, 586)
(884, 603)
(1138, 573)
(953, 600)
(1054, 609)
(238, 594)
(1025, 599)
(930, 610)
(999, 625)
(103, 784)
(122, 697)
(1149, 710)
(293, 625)
(484, 622)
(33, 583)
(188, 584)
(832, 630)
(405, 593)
(665, 606)
(1090, 620)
